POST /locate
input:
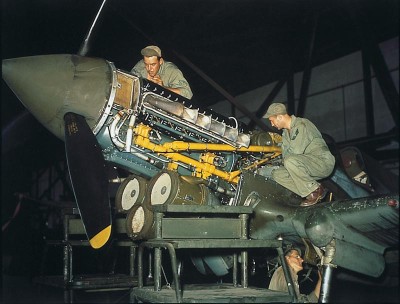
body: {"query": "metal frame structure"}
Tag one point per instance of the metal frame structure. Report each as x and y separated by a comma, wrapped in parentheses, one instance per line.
(172, 232)
(74, 236)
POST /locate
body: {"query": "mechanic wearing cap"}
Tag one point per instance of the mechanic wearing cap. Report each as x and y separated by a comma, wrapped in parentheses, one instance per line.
(295, 264)
(166, 74)
(306, 156)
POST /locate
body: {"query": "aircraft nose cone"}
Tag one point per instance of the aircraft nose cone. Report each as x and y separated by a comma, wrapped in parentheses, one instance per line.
(51, 85)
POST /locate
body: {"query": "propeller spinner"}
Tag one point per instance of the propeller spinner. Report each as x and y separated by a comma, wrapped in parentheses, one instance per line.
(51, 87)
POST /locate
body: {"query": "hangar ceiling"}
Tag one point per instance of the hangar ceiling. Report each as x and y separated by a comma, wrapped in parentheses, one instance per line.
(242, 45)
(239, 44)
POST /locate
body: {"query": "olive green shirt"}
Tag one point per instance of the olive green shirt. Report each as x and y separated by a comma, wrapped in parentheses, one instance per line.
(170, 75)
(305, 138)
(278, 282)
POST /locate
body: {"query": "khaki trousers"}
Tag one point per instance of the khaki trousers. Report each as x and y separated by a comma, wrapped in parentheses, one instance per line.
(301, 172)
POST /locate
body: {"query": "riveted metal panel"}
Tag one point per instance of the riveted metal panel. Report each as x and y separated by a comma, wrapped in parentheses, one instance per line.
(210, 228)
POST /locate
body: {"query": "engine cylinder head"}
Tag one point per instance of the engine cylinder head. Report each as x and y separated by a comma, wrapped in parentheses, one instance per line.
(217, 127)
(203, 121)
(190, 114)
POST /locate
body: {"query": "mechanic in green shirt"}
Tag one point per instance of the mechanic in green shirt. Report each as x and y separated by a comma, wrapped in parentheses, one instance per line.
(154, 68)
(295, 264)
(306, 157)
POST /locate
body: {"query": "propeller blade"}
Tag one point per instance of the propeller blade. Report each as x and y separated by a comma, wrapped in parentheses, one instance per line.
(84, 49)
(88, 172)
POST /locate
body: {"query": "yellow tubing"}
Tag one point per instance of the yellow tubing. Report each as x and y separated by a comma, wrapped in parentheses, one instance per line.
(186, 146)
(203, 169)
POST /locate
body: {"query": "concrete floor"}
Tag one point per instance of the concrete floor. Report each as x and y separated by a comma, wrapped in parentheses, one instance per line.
(20, 289)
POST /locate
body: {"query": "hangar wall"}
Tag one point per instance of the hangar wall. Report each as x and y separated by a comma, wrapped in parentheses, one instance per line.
(335, 101)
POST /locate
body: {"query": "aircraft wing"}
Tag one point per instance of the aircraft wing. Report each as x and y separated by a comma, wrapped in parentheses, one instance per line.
(363, 227)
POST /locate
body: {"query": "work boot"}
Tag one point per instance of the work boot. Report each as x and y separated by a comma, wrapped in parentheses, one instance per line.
(314, 197)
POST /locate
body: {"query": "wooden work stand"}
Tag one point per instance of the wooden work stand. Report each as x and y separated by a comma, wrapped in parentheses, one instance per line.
(206, 227)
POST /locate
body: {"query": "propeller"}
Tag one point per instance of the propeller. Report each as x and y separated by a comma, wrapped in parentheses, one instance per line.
(88, 170)
(89, 178)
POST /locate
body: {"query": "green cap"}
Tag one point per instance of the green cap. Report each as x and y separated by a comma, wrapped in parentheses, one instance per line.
(275, 109)
(151, 50)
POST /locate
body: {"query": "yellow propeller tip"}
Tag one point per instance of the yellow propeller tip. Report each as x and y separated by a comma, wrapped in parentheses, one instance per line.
(101, 238)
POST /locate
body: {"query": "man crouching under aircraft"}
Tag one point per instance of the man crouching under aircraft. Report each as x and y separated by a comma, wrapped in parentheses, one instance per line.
(306, 156)
(295, 263)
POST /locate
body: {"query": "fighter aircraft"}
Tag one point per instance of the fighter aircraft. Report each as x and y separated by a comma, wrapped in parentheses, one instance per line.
(177, 153)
